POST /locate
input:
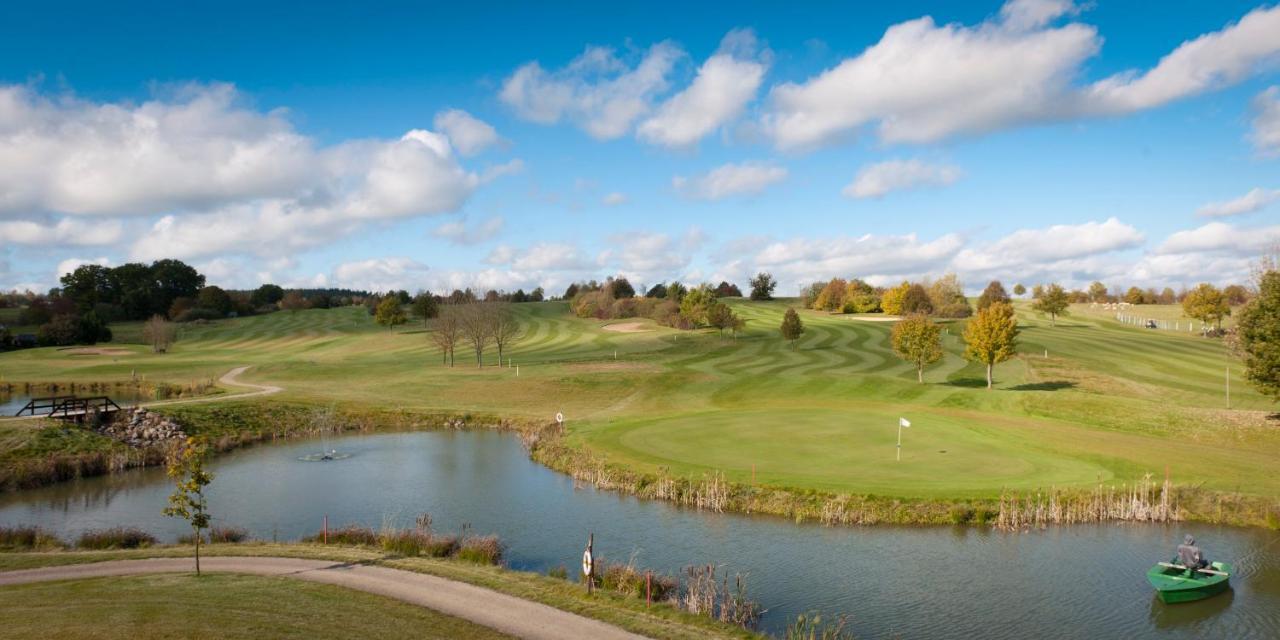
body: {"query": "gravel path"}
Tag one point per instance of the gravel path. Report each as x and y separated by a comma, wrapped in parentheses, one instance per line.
(502, 612)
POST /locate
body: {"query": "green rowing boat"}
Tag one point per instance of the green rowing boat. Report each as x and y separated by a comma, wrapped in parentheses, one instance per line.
(1175, 583)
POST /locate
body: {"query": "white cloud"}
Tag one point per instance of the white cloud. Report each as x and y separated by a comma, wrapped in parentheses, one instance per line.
(543, 256)
(381, 274)
(644, 257)
(66, 231)
(614, 199)
(1256, 199)
(725, 83)
(881, 259)
(745, 179)
(1209, 62)
(458, 232)
(468, 134)
(370, 180)
(1220, 237)
(1266, 122)
(196, 149)
(597, 91)
(1029, 247)
(71, 264)
(876, 180)
(924, 82)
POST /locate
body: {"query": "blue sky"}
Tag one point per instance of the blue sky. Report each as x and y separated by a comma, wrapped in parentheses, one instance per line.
(513, 146)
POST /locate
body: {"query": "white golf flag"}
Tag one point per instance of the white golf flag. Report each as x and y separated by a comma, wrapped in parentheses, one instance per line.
(903, 422)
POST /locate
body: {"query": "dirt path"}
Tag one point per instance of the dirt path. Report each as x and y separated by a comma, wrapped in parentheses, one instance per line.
(502, 612)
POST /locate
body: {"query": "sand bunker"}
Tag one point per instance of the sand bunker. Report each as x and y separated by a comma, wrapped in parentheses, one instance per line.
(98, 351)
(628, 327)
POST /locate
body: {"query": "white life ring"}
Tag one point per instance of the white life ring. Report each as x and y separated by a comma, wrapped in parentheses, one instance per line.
(559, 418)
(586, 562)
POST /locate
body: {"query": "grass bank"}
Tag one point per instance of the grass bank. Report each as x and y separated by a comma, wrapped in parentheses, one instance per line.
(622, 610)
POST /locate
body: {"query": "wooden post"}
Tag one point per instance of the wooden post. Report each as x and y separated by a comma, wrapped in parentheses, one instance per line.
(648, 589)
(326, 528)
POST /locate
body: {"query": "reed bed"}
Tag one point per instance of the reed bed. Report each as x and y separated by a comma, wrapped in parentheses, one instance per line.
(419, 541)
(812, 626)
(115, 538)
(1144, 501)
(28, 538)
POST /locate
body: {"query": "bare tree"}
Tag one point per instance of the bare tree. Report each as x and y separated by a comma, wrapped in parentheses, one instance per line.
(505, 328)
(446, 331)
(476, 325)
(160, 333)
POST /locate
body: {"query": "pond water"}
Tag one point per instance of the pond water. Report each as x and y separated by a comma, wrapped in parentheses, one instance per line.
(12, 403)
(934, 582)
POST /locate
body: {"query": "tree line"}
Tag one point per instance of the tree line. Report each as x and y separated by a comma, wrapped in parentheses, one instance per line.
(671, 304)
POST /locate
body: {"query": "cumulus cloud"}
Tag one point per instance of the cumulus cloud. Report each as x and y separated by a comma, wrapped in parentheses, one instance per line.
(223, 177)
(1212, 61)
(644, 256)
(924, 82)
(745, 179)
(543, 256)
(381, 274)
(614, 199)
(876, 180)
(881, 259)
(1220, 237)
(597, 91)
(1255, 200)
(66, 231)
(1051, 244)
(1266, 122)
(196, 148)
(725, 83)
(468, 134)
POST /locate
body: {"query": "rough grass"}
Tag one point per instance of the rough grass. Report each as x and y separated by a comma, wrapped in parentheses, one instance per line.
(1111, 402)
(216, 606)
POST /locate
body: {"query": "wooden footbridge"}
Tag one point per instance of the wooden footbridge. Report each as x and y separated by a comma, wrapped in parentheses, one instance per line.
(69, 407)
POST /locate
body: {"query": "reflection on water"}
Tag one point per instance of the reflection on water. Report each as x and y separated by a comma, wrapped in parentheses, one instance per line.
(942, 582)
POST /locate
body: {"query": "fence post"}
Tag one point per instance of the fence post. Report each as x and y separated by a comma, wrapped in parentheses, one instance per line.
(326, 528)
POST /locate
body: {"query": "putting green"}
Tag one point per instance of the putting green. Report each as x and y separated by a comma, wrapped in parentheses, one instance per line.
(841, 450)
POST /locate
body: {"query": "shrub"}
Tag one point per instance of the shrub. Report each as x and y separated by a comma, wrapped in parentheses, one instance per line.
(191, 315)
(27, 538)
(954, 310)
(626, 580)
(558, 572)
(115, 538)
(481, 550)
(228, 535)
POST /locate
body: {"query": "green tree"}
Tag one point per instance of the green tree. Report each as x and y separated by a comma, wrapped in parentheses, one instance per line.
(390, 312)
(762, 286)
(1206, 304)
(720, 316)
(992, 294)
(214, 299)
(918, 340)
(695, 304)
(991, 337)
(267, 294)
(1053, 301)
(792, 326)
(1019, 290)
(1135, 296)
(1259, 335)
(425, 306)
(185, 467)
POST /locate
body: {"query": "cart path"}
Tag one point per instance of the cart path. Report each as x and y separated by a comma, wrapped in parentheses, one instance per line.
(230, 379)
(499, 611)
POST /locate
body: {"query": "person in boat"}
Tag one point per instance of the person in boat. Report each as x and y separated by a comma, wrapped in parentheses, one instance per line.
(1189, 555)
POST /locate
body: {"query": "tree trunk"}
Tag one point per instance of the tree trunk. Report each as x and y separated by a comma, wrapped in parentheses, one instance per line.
(920, 373)
(197, 552)
(989, 366)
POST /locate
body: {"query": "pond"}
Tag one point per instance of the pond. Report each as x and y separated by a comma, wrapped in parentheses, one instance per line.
(935, 582)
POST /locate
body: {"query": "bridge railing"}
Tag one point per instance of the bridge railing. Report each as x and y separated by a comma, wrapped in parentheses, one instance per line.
(68, 406)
